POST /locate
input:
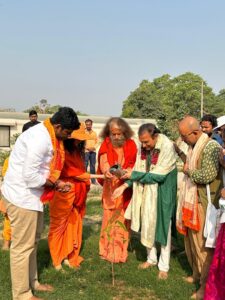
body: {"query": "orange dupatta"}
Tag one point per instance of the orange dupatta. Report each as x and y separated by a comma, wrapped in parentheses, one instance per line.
(56, 163)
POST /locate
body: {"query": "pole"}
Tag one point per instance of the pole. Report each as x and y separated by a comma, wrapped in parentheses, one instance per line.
(202, 100)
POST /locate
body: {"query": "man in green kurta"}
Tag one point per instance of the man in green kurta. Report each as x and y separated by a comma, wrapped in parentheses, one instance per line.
(201, 169)
(152, 208)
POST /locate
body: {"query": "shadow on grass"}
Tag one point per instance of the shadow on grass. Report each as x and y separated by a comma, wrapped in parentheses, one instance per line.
(180, 254)
(43, 256)
(94, 207)
(136, 247)
(89, 231)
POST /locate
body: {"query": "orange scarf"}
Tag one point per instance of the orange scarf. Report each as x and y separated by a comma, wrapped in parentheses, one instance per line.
(56, 163)
(187, 210)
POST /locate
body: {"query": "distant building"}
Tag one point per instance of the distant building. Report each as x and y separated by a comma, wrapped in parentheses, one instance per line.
(12, 123)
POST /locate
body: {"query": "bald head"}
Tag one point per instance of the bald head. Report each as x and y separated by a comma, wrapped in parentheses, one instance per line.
(190, 130)
(189, 123)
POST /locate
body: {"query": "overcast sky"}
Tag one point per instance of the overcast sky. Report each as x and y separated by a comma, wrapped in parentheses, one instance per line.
(90, 54)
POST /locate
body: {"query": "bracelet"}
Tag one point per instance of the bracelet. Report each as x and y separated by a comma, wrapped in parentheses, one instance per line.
(55, 184)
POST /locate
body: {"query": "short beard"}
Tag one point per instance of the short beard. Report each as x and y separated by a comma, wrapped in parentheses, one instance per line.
(118, 142)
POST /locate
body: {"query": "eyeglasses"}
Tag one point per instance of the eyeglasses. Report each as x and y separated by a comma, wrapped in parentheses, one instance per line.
(186, 135)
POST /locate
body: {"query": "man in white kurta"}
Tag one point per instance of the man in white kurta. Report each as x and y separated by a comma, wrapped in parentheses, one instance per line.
(152, 207)
(23, 185)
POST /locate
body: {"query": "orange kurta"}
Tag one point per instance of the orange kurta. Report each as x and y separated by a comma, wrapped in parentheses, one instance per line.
(67, 211)
(115, 230)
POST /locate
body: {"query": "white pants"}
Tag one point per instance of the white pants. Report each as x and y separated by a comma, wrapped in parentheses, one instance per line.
(164, 259)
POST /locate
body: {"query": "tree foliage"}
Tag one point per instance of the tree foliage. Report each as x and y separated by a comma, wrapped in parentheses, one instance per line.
(43, 107)
(5, 153)
(219, 104)
(169, 99)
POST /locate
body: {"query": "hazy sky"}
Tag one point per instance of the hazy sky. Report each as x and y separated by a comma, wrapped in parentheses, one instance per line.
(90, 54)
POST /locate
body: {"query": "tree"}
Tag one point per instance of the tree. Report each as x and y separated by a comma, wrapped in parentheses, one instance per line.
(169, 99)
(184, 98)
(5, 153)
(43, 104)
(43, 107)
(138, 103)
(218, 106)
(7, 109)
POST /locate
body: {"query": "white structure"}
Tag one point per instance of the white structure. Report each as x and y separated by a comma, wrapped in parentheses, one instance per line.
(12, 123)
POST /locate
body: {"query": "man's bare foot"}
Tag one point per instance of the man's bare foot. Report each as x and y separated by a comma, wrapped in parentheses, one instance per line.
(36, 298)
(58, 268)
(145, 265)
(44, 288)
(189, 279)
(6, 245)
(67, 263)
(162, 275)
(194, 296)
(102, 257)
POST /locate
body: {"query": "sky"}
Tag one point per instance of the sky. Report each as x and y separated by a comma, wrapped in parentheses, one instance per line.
(90, 54)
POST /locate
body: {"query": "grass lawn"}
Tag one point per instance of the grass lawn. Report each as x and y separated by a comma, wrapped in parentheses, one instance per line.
(93, 279)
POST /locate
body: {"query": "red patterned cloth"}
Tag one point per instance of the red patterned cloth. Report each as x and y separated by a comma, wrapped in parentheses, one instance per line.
(130, 152)
(215, 286)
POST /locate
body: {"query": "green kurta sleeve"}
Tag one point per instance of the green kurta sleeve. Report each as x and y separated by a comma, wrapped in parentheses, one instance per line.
(147, 178)
(209, 167)
(129, 182)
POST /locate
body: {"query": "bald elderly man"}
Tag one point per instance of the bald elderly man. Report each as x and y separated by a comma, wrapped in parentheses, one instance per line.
(201, 168)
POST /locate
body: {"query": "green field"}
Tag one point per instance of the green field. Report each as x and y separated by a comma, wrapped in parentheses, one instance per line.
(93, 280)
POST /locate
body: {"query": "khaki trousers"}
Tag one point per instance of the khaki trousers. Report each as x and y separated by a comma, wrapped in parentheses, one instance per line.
(199, 257)
(26, 226)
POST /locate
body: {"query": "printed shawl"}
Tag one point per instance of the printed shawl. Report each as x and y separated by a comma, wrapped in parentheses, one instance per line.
(187, 211)
(56, 163)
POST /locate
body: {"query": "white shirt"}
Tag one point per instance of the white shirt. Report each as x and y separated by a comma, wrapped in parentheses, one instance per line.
(28, 168)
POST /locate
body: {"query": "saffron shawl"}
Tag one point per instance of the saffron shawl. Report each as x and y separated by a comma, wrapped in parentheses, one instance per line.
(187, 211)
(56, 163)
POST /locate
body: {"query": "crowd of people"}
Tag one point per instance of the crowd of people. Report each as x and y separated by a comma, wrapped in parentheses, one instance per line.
(49, 166)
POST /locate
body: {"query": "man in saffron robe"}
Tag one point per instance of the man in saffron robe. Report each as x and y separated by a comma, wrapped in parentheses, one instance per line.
(153, 204)
(117, 149)
(67, 210)
(35, 164)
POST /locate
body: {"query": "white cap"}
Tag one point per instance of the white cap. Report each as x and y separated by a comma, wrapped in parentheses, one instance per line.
(220, 122)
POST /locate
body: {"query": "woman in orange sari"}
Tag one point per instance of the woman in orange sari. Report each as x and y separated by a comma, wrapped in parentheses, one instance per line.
(68, 209)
